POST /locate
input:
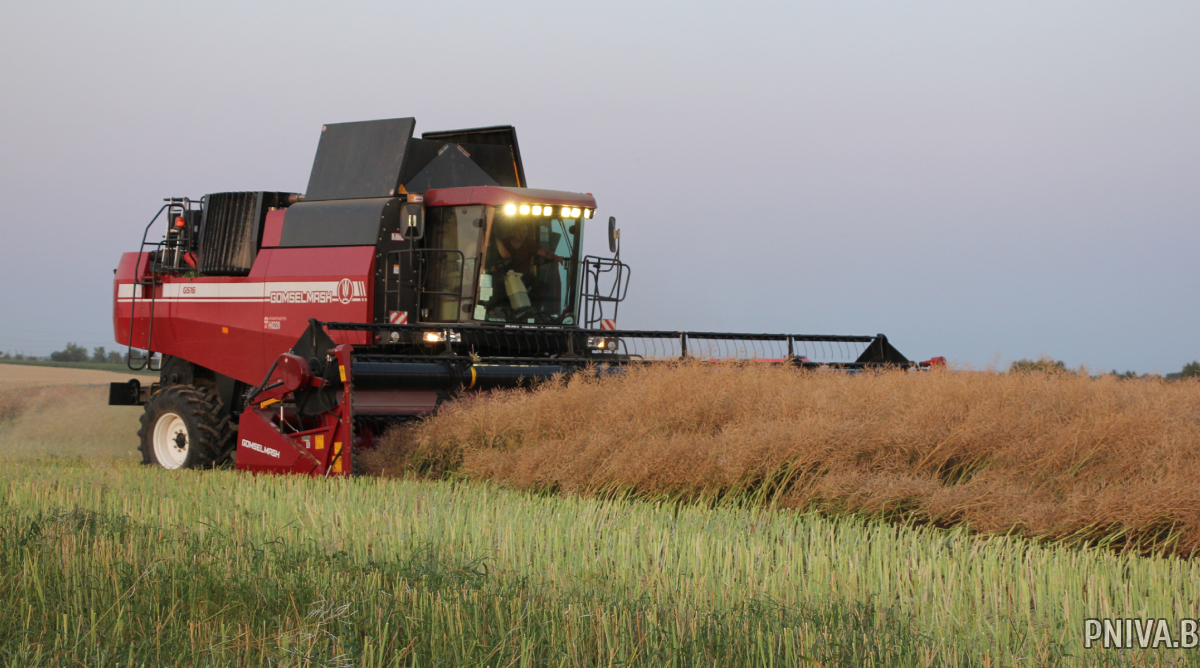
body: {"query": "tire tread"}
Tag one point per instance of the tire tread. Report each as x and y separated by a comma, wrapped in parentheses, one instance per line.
(211, 439)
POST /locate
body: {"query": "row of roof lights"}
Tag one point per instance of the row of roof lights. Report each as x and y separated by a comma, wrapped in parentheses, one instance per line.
(546, 210)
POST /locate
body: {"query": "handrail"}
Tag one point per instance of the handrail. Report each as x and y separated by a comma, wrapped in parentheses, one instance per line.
(183, 204)
(134, 295)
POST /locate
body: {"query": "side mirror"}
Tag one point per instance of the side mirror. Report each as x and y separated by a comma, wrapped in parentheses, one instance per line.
(614, 235)
(412, 221)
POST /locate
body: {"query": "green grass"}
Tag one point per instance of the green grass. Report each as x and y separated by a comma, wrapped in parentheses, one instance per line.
(115, 564)
(98, 366)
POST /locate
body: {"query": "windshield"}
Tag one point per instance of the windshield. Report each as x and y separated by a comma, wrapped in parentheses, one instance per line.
(530, 269)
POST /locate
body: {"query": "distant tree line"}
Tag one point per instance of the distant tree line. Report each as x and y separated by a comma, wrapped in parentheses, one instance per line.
(74, 352)
(1190, 370)
(1048, 365)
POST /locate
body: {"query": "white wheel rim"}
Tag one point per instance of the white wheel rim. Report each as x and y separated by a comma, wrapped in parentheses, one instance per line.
(169, 432)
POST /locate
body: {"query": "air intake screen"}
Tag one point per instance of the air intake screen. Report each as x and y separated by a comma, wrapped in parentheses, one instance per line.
(231, 231)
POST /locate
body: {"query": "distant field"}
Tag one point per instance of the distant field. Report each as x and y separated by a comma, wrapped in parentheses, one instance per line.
(63, 412)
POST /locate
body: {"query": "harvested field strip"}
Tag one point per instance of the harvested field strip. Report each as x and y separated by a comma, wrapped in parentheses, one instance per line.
(1059, 457)
(66, 421)
(124, 565)
(16, 376)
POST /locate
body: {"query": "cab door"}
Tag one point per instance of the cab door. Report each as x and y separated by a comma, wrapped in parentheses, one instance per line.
(444, 272)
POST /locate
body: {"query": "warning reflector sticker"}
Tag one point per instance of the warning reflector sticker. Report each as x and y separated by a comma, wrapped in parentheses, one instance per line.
(608, 324)
(398, 317)
(396, 236)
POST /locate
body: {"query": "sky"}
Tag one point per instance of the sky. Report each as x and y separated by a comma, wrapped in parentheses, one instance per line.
(984, 181)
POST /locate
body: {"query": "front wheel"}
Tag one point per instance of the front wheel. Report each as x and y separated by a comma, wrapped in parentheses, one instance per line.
(181, 429)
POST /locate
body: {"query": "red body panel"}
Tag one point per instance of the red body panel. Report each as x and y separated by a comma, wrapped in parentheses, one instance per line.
(261, 447)
(348, 274)
(237, 325)
(129, 270)
(273, 228)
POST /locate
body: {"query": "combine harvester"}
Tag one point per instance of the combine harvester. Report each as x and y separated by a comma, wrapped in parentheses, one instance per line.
(294, 329)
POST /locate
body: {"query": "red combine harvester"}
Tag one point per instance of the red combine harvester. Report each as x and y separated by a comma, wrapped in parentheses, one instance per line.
(294, 329)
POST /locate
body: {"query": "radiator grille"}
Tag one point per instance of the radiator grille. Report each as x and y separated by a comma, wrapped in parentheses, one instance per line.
(227, 242)
(231, 230)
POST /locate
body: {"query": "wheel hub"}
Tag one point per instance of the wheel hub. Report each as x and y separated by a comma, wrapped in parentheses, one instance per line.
(170, 440)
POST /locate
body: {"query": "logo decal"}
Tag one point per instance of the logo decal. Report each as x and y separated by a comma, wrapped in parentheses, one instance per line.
(272, 452)
(344, 291)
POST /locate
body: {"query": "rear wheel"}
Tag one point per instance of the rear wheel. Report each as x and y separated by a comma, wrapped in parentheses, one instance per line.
(181, 429)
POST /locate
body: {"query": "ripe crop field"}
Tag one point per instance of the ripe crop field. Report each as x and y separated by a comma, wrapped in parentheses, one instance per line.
(1056, 457)
(115, 564)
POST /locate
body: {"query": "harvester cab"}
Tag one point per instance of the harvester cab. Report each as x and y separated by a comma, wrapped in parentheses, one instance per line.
(491, 255)
(294, 329)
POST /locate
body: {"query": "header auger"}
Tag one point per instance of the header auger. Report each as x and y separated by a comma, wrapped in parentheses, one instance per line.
(294, 329)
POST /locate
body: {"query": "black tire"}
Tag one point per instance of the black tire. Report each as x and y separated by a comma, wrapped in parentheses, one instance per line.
(181, 429)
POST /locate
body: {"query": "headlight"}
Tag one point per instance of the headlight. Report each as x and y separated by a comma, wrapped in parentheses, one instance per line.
(537, 209)
(587, 213)
(566, 212)
(524, 209)
(601, 343)
(510, 209)
(439, 337)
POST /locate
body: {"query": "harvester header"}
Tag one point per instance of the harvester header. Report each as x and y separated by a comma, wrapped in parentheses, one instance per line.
(293, 329)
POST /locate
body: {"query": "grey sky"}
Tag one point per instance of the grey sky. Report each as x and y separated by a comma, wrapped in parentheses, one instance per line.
(984, 181)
